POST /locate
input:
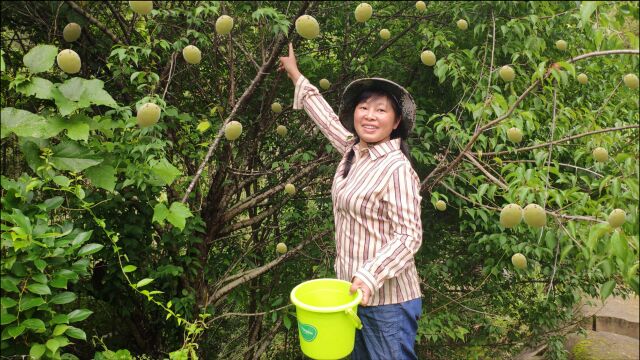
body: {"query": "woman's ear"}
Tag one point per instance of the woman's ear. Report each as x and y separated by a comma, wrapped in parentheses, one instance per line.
(397, 122)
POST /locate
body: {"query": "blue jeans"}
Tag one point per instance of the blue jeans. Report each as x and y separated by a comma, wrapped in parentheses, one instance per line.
(388, 331)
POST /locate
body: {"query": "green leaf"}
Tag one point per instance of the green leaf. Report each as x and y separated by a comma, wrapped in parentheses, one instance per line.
(53, 203)
(61, 180)
(129, 268)
(37, 350)
(60, 329)
(52, 344)
(38, 87)
(63, 298)
(6, 318)
(7, 302)
(72, 156)
(40, 289)
(143, 282)
(81, 238)
(178, 213)
(102, 176)
(90, 249)
(160, 213)
(78, 131)
(15, 330)
(40, 58)
(76, 333)
(203, 126)
(586, 9)
(619, 246)
(8, 285)
(25, 123)
(27, 303)
(165, 171)
(77, 93)
(79, 315)
(606, 289)
(34, 324)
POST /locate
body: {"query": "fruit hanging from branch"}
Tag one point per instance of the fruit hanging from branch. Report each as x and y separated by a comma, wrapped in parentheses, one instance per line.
(233, 130)
(535, 216)
(69, 61)
(71, 32)
(617, 218)
(191, 54)
(224, 24)
(307, 27)
(141, 7)
(148, 115)
(511, 215)
(428, 58)
(519, 261)
(363, 12)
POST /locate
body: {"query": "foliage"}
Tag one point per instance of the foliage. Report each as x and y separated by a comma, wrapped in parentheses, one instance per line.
(166, 235)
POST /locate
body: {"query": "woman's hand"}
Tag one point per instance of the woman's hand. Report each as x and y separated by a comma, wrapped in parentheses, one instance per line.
(366, 292)
(289, 64)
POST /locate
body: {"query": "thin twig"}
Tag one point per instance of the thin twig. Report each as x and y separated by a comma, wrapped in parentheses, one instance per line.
(569, 138)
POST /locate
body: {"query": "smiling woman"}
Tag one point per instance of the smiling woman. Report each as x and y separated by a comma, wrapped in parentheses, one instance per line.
(376, 206)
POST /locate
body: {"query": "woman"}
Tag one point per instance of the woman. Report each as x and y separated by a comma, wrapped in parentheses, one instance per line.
(376, 205)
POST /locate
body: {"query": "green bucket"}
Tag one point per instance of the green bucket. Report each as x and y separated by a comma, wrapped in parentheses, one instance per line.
(327, 317)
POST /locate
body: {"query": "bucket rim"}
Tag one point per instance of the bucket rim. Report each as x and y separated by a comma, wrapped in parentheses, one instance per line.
(327, 309)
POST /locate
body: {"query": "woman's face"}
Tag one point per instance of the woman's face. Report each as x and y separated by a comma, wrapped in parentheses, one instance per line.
(374, 119)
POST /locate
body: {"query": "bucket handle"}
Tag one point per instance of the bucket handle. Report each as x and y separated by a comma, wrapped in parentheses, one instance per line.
(354, 318)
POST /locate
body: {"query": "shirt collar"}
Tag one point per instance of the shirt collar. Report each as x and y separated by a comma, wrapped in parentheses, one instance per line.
(379, 149)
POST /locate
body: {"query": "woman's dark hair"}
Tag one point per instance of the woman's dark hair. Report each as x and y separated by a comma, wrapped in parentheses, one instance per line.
(400, 132)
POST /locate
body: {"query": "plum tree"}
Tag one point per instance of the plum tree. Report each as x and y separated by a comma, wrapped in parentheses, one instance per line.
(281, 130)
(307, 27)
(224, 24)
(616, 218)
(428, 58)
(281, 248)
(421, 6)
(514, 134)
(462, 24)
(191, 54)
(511, 215)
(631, 80)
(69, 61)
(71, 32)
(141, 7)
(363, 12)
(582, 78)
(385, 34)
(324, 84)
(535, 216)
(441, 205)
(290, 189)
(507, 73)
(600, 154)
(561, 45)
(233, 130)
(276, 107)
(148, 114)
(519, 261)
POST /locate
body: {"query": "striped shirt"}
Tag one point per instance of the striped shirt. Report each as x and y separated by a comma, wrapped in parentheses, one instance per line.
(376, 208)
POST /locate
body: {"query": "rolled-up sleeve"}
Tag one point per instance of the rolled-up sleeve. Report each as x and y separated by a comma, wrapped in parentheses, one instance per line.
(308, 97)
(402, 199)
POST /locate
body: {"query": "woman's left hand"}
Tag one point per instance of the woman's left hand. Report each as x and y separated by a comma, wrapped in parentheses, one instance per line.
(366, 292)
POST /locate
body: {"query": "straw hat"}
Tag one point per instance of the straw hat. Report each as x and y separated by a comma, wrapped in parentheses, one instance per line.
(355, 88)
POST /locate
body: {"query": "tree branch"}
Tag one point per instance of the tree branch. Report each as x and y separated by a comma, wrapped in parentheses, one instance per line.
(497, 153)
(262, 73)
(428, 183)
(220, 293)
(94, 21)
(485, 172)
